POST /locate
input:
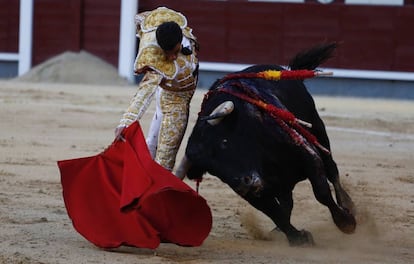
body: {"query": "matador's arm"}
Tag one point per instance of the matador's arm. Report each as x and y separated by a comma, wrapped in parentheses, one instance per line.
(142, 98)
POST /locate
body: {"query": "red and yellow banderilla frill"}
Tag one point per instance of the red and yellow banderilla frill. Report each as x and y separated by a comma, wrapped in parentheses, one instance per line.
(274, 75)
(280, 115)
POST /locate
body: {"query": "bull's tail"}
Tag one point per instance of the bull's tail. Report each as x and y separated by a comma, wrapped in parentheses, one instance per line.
(312, 58)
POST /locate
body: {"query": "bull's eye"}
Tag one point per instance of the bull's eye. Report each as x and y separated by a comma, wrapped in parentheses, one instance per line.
(223, 144)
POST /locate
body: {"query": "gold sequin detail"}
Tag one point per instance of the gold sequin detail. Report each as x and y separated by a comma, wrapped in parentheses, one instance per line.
(175, 109)
(153, 56)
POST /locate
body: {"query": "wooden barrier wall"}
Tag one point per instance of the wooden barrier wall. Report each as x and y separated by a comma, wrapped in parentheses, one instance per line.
(371, 37)
(234, 31)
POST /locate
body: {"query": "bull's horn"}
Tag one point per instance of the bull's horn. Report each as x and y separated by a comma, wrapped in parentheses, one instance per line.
(183, 168)
(221, 111)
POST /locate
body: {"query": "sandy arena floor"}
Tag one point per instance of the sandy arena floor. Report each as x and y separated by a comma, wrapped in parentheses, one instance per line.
(372, 142)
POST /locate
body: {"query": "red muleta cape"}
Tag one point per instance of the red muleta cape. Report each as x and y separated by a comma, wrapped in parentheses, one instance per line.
(123, 197)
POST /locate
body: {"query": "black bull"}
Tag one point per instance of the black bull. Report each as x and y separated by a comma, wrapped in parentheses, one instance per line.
(260, 155)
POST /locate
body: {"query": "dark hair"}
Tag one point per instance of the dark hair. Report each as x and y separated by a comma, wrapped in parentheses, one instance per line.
(169, 34)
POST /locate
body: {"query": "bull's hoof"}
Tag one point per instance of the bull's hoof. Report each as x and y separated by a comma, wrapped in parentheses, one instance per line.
(301, 238)
(345, 221)
(345, 201)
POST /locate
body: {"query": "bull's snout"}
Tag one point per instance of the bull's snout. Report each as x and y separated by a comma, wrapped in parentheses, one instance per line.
(251, 183)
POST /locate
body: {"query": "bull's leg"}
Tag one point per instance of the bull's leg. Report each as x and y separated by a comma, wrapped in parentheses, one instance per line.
(331, 169)
(286, 203)
(342, 197)
(281, 217)
(343, 219)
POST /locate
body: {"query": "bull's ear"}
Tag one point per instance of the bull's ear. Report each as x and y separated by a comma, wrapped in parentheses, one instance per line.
(219, 113)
